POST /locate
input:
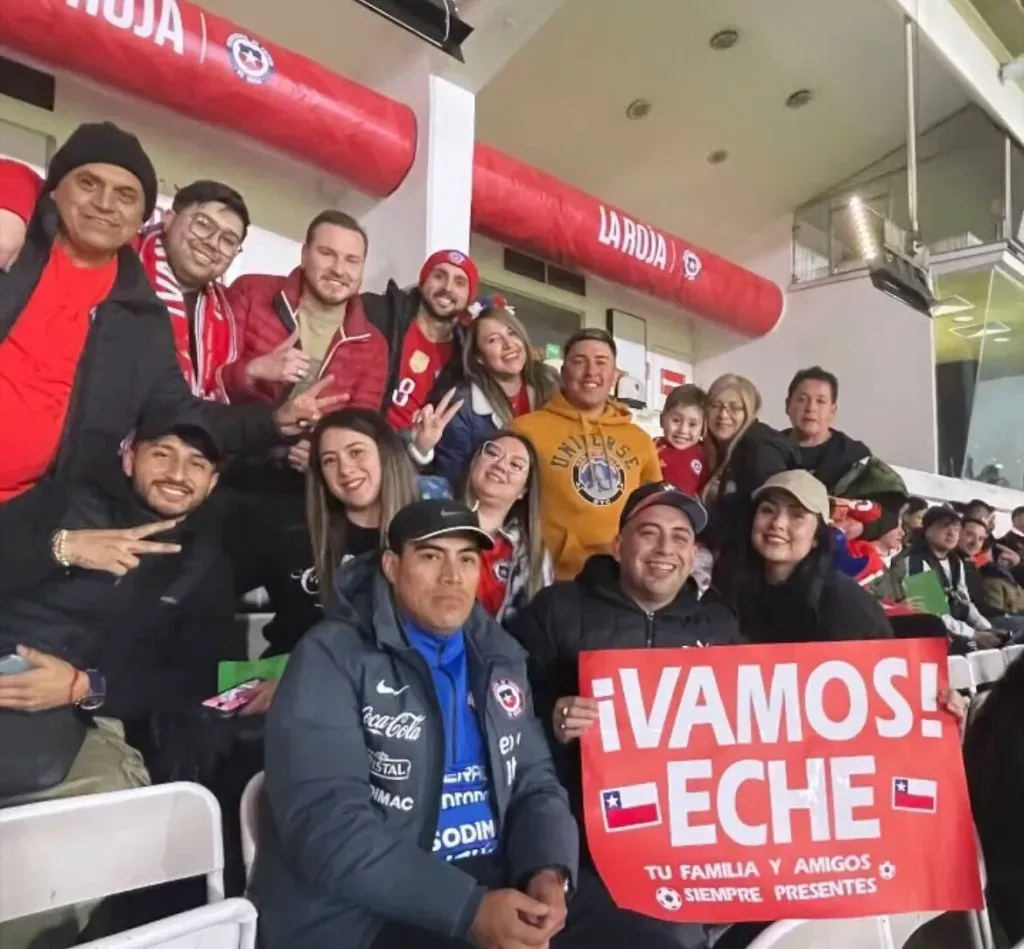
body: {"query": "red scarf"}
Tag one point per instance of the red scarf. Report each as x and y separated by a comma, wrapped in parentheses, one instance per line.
(214, 324)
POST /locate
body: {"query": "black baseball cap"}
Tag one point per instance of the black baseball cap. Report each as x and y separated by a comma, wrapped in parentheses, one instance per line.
(189, 425)
(940, 514)
(436, 517)
(662, 492)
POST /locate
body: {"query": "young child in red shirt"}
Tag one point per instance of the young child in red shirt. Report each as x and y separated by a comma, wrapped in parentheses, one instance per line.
(684, 462)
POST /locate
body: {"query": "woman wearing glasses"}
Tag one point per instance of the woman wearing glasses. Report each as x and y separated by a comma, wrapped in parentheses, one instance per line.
(502, 488)
(743, 453)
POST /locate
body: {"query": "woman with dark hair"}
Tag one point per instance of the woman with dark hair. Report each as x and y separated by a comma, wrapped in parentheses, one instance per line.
(503, 489)
(994, 759)
(503, 381)
(786, 588)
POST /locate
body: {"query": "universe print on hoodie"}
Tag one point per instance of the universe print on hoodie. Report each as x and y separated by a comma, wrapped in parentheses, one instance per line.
(588, 467)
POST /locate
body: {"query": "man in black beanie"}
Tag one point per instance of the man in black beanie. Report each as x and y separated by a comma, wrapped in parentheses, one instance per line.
(86, 353)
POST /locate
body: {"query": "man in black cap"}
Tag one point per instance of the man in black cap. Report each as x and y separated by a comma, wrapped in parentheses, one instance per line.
(641, 595)
(413, 797)
(132, 627)
(86, 350)
(935, 550)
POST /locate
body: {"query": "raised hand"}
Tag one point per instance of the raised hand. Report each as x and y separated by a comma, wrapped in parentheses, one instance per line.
(116, 551)
(301, 412)
(429, 423)
(286, 363)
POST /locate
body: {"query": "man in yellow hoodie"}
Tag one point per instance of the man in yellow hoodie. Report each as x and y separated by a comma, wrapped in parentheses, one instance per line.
(592, 456)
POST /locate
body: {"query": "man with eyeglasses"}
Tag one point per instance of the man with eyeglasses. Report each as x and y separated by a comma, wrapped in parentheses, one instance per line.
(184, 255)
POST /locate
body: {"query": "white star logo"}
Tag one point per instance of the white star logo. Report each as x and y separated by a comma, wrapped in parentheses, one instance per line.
(887, 870)
(613, 800)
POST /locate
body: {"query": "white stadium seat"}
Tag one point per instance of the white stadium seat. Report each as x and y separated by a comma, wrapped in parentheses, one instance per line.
(82, 849)
(249, 819)
(823, 934)
(961, 677)
(1012, 652)
(230, 924)
(987, 666)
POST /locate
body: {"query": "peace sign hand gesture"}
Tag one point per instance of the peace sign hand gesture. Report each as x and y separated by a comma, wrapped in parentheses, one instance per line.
(429, 423)
(116, 551)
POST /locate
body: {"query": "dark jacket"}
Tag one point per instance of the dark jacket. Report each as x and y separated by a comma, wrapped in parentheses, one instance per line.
(760, 453)
(354, 762)
(472, 425)
(127, 370)
(847, 468)
(593, 612)
(392, 312)
(811, 606)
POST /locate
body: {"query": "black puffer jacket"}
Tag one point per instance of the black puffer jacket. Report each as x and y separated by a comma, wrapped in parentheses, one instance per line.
(592, 612)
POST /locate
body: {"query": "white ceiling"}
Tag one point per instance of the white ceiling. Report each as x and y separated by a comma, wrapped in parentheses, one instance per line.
(560, 102)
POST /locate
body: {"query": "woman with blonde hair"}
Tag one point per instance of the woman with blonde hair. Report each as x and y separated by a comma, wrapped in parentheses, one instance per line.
(743, 453)
(503, 381)
(503, 488)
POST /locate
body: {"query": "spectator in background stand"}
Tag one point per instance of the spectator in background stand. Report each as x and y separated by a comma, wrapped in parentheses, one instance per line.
(425, 339)
(86, 351)
(504, 381)
(913, 517)
(681, 451)
(1013, 539)
(845, 466)
(184, 256)
(935, 549)
(591, 454)
(982, 573)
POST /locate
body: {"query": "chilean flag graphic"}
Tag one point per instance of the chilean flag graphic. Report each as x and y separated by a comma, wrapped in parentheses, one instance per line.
(632, 806)
(914, 794)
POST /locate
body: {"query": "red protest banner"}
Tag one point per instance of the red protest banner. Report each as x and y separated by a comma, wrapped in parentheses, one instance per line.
(813, 780)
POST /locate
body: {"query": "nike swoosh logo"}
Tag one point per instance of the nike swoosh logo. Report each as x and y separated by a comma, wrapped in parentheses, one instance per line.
(383, 689)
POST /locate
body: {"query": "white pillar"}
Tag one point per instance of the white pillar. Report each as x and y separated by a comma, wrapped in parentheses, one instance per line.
(430, 209)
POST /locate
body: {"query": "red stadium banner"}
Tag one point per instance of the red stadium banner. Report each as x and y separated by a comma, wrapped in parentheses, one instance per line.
(747, 783)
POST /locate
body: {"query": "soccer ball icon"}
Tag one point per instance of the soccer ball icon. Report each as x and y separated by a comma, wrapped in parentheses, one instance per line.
(668, 899)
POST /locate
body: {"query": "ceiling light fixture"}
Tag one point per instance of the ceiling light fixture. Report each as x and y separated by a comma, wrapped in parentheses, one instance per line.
(947, 306)
(963, 319)
(862, 227)
(717, 156)
(1001, 339)
(724, 39)
(638, 109)
(799, 99)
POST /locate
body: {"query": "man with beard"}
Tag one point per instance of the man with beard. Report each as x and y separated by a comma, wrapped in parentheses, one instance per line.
(115, 637)
(184, 256)
(297, 329)
(423, 333)
(294, 331)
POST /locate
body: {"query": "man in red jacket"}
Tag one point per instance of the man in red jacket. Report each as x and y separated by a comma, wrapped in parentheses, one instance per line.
(300, 328)
(184, 256)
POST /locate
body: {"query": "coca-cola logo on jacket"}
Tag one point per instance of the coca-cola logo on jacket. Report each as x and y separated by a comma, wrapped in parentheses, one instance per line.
(405, 726)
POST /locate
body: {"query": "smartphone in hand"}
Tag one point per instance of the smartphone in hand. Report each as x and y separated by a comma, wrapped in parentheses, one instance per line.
(232, 701)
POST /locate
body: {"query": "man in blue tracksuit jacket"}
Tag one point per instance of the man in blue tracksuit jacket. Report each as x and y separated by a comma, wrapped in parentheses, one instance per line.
(412, 798)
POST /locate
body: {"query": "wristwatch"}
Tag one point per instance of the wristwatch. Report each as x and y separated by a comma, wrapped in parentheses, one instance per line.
(97, 691)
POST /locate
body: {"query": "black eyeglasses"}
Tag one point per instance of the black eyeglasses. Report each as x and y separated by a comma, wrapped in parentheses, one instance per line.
(226, 242)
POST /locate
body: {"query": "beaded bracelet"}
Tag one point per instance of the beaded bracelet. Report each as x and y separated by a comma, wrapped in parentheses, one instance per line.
(57, 548)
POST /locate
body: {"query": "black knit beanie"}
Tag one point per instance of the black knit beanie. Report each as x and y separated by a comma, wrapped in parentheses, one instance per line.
(892, 505)
(104, 143)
